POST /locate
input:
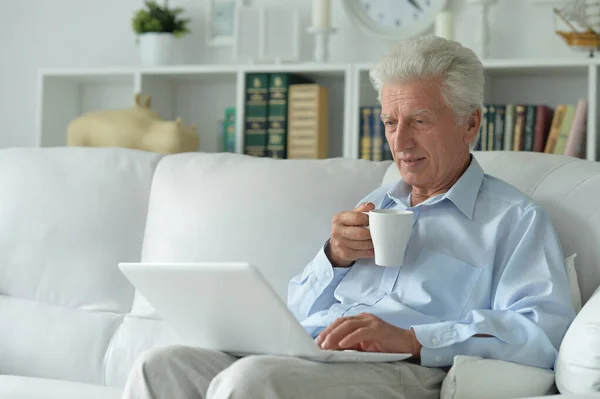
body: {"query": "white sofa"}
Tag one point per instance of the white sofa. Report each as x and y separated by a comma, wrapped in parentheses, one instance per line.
(71, 325)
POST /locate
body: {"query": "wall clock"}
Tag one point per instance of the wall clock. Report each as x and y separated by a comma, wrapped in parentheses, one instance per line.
(393, 19)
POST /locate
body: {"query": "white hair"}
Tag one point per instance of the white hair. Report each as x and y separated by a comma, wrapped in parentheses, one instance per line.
(430, 57)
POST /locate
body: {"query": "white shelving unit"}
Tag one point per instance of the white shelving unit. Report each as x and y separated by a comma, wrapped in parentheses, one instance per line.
(199, 94)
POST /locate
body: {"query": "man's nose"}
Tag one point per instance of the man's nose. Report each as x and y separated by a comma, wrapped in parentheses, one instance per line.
(402, 138)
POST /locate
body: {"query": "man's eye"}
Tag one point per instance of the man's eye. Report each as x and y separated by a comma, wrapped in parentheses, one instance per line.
(420, 121)
(389, 123)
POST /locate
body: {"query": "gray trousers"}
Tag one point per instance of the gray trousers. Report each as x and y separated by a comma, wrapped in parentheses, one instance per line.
(181, 372)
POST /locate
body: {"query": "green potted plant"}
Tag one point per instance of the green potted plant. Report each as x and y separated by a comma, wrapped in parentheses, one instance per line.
(157, 27)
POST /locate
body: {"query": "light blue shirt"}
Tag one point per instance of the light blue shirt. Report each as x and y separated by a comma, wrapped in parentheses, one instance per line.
(483, 258)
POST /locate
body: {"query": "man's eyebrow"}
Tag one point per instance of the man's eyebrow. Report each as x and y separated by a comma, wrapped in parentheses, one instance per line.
(420, 111)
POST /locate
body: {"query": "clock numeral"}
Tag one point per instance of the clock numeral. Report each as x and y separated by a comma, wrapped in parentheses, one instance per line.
(397, 22)
(428, 3)
(416, 16)
(381, 16)
(367, 6)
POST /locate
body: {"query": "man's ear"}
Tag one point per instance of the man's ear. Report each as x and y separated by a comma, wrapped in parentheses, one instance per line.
(473, 122)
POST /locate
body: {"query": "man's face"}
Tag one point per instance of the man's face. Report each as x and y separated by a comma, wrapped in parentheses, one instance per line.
(428, 146)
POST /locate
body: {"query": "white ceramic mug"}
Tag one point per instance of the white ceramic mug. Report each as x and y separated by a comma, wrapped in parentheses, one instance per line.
(390, 232)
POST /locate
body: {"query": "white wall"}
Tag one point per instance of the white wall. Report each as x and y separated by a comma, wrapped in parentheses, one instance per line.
(86, 33)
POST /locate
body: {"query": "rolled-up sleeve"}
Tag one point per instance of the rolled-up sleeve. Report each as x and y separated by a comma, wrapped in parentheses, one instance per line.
(313, 289)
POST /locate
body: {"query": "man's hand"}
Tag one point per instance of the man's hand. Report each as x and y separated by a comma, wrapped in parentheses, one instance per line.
(368, 333)
(350, 240)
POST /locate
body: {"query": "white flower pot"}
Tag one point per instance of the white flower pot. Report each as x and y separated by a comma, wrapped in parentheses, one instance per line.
(157, 49)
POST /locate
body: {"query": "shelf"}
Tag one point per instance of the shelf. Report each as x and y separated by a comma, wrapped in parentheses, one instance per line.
(537, 67)
(190, 77)
(490, 64)
(96, 75)
(200, 93)
(309, 68)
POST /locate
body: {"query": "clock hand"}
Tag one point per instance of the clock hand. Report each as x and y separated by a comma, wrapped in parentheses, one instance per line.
(415, 5)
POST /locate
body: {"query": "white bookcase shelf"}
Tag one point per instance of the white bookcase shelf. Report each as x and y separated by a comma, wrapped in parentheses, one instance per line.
(200, 93)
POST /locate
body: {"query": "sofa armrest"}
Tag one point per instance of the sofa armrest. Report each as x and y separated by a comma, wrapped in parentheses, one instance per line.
(578, 363)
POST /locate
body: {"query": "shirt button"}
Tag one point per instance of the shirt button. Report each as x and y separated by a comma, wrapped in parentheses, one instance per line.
(438, 359)
(434, 341)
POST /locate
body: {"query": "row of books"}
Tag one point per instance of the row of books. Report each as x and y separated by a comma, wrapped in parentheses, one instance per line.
(300, 130)
(534, 127)
(508, 127)
(373, 145)
(286, 116)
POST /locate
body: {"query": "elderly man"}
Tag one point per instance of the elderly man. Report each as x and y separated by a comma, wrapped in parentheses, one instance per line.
(484, 273)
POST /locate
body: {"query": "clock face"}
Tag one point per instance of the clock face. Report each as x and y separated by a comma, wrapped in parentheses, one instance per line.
(394, 19)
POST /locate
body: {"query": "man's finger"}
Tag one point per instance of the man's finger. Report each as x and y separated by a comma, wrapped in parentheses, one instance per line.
(356, 245)
(321, 337)
(343, 252)
(365, 207)
(331, 341)
(351, 218)
(351, 232)
(355, 217)
(356, 337)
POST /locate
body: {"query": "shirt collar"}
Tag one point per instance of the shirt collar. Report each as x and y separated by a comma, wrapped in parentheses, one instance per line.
(463, 194)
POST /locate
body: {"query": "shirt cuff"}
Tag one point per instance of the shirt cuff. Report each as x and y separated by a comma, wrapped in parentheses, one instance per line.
(323, 269)
(437, 341)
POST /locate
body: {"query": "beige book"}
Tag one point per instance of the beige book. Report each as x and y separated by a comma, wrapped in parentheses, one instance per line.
(576, 140)
(308, 121)
(509, 125)
(557, 120)
(565, 129)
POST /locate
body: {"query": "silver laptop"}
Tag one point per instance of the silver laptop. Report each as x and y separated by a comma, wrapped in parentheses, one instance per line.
(230, 307)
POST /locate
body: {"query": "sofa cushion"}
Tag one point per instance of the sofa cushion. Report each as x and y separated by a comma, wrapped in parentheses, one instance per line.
(42, 340)
(14, 387)
(67, 217)
(475, 377)
(578, 364)
(273, 213)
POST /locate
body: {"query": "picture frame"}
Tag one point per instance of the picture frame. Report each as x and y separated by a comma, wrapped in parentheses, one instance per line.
(268, 32)
(221, 22)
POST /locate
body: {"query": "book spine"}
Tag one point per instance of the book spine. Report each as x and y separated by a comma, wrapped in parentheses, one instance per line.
(509, 125)
(365, 133)
(256, 115)
(576, 141)
(229, 129)
(378, 134)
(565, 129)
(519, 127)
(307, 122)
(277, 120)
(499, 128)
(557, 120)
(530, 112)
(543, 119)
(491, 121)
